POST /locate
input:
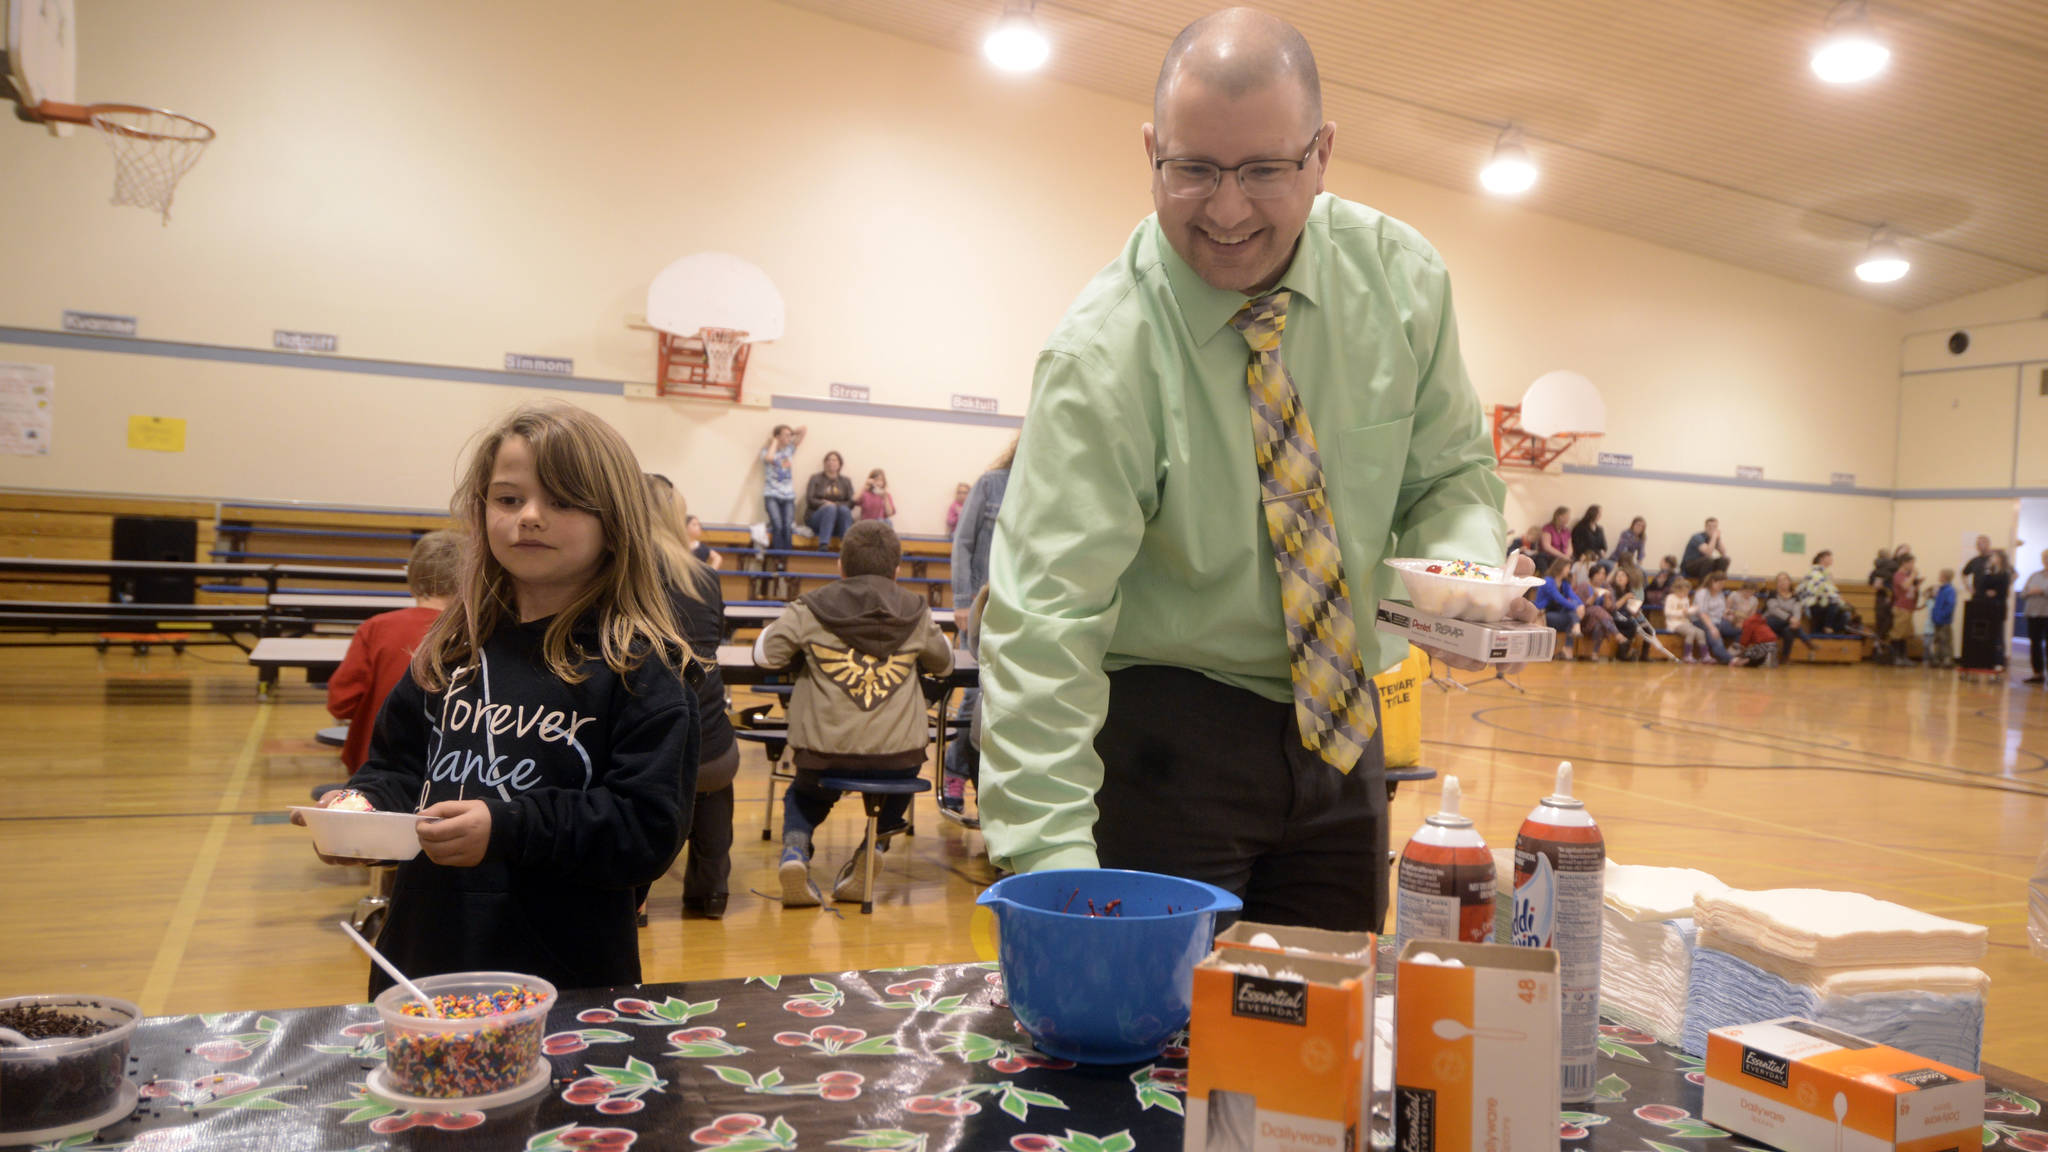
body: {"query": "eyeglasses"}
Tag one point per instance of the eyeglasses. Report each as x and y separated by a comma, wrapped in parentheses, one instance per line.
(1258, 179)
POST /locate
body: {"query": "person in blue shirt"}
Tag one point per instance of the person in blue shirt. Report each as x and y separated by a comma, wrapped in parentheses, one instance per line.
(1702, 550)
(1560, 604)
(1941, 618)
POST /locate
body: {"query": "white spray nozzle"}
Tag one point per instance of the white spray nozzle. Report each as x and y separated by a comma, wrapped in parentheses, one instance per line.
(1447, 808)
(1562, 798)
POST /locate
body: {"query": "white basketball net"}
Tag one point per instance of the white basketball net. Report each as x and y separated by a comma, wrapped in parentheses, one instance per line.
(720, 346)
(153, 149)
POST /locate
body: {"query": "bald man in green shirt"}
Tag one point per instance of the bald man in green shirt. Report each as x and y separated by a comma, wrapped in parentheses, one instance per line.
(1149, 702)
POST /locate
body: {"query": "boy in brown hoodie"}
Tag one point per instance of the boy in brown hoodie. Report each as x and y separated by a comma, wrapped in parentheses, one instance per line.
(857, 709)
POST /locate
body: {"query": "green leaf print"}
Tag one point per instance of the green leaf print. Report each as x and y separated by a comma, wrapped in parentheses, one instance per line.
(1617, 1049)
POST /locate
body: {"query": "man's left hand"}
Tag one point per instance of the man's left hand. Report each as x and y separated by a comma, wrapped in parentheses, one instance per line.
(456, 832)
(1521, 610)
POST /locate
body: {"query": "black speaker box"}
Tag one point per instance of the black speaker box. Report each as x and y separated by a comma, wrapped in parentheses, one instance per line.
(156, 540)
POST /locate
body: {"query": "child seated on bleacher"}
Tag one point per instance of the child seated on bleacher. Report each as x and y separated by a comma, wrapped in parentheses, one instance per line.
(1756, 644)
(857, 710)
(382, 647)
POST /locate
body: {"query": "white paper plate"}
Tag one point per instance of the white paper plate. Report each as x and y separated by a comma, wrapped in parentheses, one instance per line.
(363, 835)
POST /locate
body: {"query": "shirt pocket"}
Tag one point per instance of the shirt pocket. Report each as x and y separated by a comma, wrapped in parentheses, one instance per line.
(1370, 463)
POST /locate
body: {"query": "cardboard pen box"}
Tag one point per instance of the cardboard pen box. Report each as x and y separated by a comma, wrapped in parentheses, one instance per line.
(1281, 1064)
(1476, 1049)
(1501, 642)
(1806, 1088)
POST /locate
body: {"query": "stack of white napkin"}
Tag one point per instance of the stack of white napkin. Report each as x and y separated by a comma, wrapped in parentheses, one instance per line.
(1877, 970)
(1646, 944)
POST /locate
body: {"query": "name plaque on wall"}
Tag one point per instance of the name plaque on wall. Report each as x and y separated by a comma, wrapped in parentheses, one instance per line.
(545, 365)
(99, 323)
(856, 392)
(289, 341)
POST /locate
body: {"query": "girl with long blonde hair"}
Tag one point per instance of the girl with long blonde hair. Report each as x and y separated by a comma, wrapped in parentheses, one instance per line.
(545, 737)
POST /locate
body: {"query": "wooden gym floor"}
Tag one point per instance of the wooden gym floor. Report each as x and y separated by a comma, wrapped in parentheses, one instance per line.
(145, 855)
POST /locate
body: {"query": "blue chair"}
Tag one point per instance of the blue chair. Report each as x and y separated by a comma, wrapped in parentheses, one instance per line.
(872, 794)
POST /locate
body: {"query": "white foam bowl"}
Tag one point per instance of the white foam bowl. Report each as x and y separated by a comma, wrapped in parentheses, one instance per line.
(1461, 597)
(363, 835)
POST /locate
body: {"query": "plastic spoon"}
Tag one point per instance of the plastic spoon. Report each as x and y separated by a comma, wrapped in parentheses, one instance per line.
(13, 1039)
(1450, 1029)
(390, 969)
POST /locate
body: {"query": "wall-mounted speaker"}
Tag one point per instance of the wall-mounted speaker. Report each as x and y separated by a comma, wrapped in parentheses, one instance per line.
(1958, 342)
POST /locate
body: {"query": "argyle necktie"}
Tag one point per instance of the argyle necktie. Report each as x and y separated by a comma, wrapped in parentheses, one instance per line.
(1332, 694)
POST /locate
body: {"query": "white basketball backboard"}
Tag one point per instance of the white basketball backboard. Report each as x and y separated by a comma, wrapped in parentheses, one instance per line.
(1561, 402)
(715, 290)
(42, 51)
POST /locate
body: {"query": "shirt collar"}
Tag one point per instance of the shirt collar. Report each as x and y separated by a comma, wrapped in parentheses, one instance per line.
(1207, 310)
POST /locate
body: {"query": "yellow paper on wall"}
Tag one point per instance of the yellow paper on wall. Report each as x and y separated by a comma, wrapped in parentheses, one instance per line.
(156, 433)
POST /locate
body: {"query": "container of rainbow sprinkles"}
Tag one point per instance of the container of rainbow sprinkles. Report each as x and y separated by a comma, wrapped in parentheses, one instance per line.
(486, 1041)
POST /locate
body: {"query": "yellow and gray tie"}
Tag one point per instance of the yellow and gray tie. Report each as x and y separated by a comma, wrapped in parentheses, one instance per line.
(1332, 694)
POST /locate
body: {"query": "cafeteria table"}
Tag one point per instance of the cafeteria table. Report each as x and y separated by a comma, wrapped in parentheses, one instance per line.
(898, 1060)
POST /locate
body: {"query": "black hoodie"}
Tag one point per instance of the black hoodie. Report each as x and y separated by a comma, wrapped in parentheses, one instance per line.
(589, 787)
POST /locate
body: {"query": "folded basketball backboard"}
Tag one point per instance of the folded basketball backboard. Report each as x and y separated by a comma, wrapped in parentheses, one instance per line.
(709, 310)
(42, 54)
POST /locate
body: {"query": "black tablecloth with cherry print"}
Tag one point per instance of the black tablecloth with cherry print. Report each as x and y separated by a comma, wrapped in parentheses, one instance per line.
(909, 1060)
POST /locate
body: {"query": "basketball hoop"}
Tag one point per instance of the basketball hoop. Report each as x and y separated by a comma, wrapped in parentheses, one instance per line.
(721, 345)
(153, 148)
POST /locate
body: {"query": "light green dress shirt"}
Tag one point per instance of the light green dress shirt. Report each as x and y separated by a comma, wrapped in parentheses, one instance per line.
(1131, 532)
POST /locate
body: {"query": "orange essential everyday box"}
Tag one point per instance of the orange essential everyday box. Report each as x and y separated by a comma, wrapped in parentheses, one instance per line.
(1279, 1064)
(1805, 1088)
(1476, 1049)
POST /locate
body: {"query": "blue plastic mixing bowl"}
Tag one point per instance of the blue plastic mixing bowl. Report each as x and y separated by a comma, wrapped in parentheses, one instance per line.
(1103, 989)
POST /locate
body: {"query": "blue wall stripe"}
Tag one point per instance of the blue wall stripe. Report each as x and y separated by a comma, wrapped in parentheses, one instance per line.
(2008, 493)
(1727, 481)
(224, 354)
(895, 411)
(269, 358)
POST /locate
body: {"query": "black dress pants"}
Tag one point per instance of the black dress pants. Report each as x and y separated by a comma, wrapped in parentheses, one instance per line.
(1212, 783)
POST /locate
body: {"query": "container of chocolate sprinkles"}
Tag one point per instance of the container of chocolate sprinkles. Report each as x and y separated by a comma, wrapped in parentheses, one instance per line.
(74, 1065)
(487, 1039)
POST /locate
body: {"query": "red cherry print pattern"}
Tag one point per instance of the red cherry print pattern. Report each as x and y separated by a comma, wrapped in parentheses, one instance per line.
(598, 1139)
(222, 1051)
(597, 1016)
(1661, 1113)
(588, 1090)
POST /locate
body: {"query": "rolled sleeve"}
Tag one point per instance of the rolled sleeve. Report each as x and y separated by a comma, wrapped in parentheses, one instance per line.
(1451, 491)
(1070, 523)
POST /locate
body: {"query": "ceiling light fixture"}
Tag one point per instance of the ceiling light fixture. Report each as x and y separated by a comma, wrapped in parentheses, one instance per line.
(1852, 52)
(1511, 172)
(1884, 261)
(1017, 44)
